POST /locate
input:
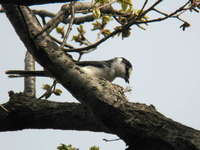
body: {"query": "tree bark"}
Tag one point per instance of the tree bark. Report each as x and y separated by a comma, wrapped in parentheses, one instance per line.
(32, 2)
(29, 82)
(139, 125)
(25, 112)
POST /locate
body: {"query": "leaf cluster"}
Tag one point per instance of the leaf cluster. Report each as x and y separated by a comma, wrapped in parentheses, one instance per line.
(70, 147)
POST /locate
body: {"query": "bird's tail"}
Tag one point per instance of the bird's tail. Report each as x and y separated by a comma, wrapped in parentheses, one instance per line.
(22, 73)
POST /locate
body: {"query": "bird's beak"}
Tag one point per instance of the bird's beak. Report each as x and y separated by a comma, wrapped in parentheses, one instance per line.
(127, 79)
(128, 75)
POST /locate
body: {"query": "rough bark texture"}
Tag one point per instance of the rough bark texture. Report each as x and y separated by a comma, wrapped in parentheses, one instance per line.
(140, 126)
(31, 113)
(149, 129)
(32, 2)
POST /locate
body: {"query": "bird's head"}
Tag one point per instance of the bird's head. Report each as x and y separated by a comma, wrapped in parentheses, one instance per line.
(123, 68)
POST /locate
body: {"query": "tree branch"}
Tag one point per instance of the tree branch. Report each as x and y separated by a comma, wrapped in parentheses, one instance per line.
(32, 2)
(171, 15)
(69, 29)
(77, 20)
(62, 15)
(31, 113)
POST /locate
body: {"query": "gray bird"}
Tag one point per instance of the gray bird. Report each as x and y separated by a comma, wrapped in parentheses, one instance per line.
(109, 69)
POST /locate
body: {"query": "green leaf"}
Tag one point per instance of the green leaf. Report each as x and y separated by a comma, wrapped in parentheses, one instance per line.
(57, 92)
(96, 12)
(97, 25)
(60, 30)
(105, 32)
(66, 147)
(46, 86)
(126, 5)
(94, 148)
(81, 29)
(106, 19)
(126, 33)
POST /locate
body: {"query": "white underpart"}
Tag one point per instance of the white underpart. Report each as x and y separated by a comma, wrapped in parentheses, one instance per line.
(119, 68)
(105, 73)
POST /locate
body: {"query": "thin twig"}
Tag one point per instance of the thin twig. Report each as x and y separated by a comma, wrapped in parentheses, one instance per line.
(99, 7)
(70, 24)
(164, 14)
(94, 45)
(150, 8)
(4, 108)
(160, 12)
(49, 91)
(166, 17)
(144, 5)
(59, 42)
(43, 13)
(53, 22)
(134, 19)
(106, 140)
(54, 85)
(80, 19)
(107, 4)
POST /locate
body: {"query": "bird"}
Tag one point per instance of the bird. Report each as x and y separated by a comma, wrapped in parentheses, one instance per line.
(107, 69)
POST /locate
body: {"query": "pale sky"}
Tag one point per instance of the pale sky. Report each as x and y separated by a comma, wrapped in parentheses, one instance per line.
(166, 74)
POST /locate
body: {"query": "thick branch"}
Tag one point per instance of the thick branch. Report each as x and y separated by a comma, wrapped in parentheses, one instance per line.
(32, 2)
(84, 7)
(26, 112)
(77, 20)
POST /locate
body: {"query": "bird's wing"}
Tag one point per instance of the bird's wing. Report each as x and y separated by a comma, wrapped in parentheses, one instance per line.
(99, 64)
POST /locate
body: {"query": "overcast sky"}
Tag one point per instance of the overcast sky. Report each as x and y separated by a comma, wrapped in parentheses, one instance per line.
(166, 74)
